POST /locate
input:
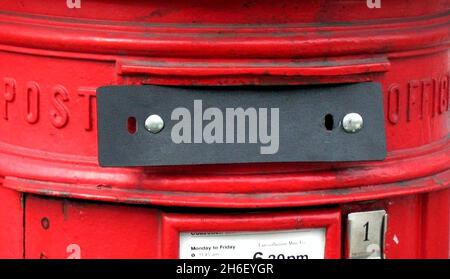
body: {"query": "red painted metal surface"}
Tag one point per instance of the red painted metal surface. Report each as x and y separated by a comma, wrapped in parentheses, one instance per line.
(11, 224)
(52, 59)
(61, 228)
(68, 229)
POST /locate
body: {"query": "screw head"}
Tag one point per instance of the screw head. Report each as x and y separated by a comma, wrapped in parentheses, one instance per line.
(352, 122)
(154, 123)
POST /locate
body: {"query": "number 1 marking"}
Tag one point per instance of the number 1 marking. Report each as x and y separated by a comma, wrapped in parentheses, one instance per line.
(366, 236)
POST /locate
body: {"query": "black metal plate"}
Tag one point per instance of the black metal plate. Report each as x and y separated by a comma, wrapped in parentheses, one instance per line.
(303, 136)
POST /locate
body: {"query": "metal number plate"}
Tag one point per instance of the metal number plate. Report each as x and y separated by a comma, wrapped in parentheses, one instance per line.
(152, 126)
(366, 232)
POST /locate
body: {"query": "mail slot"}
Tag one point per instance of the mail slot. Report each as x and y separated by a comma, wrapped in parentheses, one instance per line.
(152, 129)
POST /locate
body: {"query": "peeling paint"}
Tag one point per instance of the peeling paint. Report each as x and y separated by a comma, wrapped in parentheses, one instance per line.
(396, 240)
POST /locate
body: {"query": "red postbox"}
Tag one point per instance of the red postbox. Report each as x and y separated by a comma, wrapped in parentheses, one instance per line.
(70, 71)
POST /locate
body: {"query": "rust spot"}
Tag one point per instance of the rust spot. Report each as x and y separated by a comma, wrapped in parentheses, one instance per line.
(44, 192)
(102, 186)
(64, 194)
(439, 181)
(403, 183)
(137, 200)
(342, 191)
(157, 13)
(45, 223)
(43, 256)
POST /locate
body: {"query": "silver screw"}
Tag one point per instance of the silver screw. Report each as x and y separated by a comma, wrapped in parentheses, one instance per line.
(154, 123)
(352, 122)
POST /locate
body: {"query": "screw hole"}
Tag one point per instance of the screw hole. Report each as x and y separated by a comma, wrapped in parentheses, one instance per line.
(45, 223)
(329, 122)
(131, 125)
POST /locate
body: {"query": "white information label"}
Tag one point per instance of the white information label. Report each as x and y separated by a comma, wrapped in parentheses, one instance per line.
(292, 244)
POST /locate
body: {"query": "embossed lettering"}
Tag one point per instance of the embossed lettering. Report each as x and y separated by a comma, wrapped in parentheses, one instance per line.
(435, 97)
(9, 94)
(60, 114)
(413, 100)
(443, 94)
(393, 103)
(88, 95)
(427, 97)
(32, 102)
